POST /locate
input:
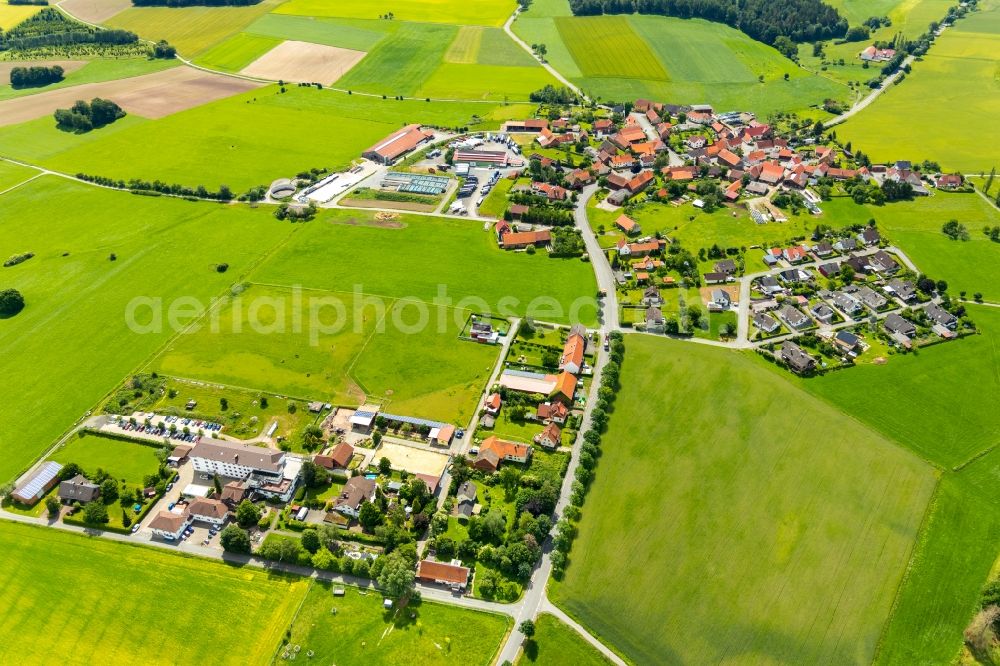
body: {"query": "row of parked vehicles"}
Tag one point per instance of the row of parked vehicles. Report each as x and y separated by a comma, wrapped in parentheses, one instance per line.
(194, 423)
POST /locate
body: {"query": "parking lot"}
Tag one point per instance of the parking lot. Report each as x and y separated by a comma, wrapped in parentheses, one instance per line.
(156, 427)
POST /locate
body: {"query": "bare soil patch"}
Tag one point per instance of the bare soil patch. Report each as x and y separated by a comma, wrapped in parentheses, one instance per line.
(95, 11)
(150, 95)
(67, 65)
(303, 62)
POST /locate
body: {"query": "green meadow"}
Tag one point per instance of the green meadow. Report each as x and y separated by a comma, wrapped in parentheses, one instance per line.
(345, 349)
(355, 629)
(11, 15)
(72, 343)
(237, 52)
(754, 531)
(962, 422)
(121, 459)
(106, 602)
(192, 30)
(96, 71)
(958, 79)
(674, 60)
(241, 141)
(482, 12)
(556, 644)
(12, 174)
(434, 259)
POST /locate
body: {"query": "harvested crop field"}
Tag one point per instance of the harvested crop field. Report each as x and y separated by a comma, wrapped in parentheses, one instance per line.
(150, 96)
(95, 11)
(67, 65)
(303, 62)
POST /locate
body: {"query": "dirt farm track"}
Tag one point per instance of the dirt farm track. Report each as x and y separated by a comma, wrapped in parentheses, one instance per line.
(149, 96)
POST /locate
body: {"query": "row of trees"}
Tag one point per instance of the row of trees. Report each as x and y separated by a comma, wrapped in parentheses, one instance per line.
(589, 454)
(83, 117)
(160, 187)
(50, 27)
(795, 20)
(32, 77)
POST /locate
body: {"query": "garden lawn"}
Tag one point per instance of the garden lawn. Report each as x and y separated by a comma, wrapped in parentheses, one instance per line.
(192, 30)
(432, 257)
(481, 12)
(947, 426)
(145, 599)
(241, 141)
(556, 644)
(72, 344)
(123, 460)
(362, 632)
(957, 74)
(760, 525)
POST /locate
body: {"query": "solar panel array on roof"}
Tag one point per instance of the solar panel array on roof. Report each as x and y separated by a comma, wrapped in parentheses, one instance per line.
(414, 421)
(36, 484)
(524, 373)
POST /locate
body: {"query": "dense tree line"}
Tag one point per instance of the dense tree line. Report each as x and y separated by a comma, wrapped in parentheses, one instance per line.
(34, 3)
(164, 50)
(83, 117)
(797, 20)
(31, 77)
(49, 27)
(140, 186)
(554, 95)
(194, 3)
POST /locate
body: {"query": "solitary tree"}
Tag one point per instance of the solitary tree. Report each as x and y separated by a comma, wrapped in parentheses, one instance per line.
(384, 466)
(52, 504)
(235, 540)
(397, 576)
(247, 514)
(11, 302)
(527, 628)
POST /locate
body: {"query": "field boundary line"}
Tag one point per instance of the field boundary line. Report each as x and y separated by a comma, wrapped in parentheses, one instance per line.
(23, 182)
(295, 616)
(349, 371)
(917, 543)
(982, 454)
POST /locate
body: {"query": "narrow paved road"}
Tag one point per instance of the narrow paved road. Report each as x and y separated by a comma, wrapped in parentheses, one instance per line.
(608, 314)
(549, 68)
(862, 104)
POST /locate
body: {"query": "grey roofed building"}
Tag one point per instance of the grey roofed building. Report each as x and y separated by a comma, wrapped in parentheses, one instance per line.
(939, 315)
(845, 244)
(797, 360)
(871, 298)
(870, 236)
(78, 489)
(727, 266)
(765, 322)
(828, 269)
(896, 324)
(882, 262)
(846, 303)
(769, 284)
(903, 289)
(793, 316)
(846, 341)
(357, 490)
(822, 312)
(231, 453)
(466, 499)
(823, 249)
